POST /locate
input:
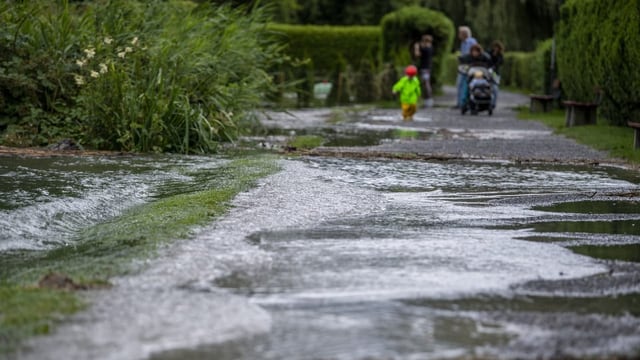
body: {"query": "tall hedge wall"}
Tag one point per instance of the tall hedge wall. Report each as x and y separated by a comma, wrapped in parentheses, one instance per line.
(401, 28)
(328, 46)
(599, 46)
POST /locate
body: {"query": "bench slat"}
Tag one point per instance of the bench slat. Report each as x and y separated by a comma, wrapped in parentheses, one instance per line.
(580, 104)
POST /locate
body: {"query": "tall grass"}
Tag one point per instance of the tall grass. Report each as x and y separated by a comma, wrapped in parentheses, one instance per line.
(146, 75)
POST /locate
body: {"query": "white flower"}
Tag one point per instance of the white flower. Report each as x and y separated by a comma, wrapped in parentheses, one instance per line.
(95, 74)
(79, 79)
(108, 40)
(128, 49)
(81, 63)
(90, 53)
(122, 54)
(134, 41)
(103, 68)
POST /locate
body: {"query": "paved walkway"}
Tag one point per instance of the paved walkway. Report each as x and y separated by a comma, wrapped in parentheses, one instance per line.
(452, 135)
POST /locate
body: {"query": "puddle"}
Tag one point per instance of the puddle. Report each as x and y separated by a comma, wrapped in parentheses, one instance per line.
(629, 252)
(618, 227)
(618, 305)
(353, 137)
(594, 207)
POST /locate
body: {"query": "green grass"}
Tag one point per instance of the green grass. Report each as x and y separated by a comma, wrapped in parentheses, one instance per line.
(108, 249)
(30, 311)
(305, 142)
(616, 140)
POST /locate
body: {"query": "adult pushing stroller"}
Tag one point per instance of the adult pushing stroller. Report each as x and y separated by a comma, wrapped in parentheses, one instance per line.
(478, 90)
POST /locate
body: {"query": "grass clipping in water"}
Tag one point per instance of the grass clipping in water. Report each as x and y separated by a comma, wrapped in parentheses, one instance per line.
(108, 249)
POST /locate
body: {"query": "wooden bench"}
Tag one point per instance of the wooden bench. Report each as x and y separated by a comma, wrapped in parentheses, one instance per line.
(636, 133)
(580, 113)
(541, 103)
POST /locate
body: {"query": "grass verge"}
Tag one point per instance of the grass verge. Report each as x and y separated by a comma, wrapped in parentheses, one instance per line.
(616, 140)
(109, 249)
(306, 142)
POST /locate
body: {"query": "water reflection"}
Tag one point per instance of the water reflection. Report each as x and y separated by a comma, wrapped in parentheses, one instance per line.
(630, 252)
(594, 207)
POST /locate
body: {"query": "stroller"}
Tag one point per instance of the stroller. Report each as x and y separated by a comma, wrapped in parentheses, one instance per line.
(478, 89)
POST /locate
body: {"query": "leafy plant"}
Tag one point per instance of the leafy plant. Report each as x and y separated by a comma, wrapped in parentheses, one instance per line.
(133, 75)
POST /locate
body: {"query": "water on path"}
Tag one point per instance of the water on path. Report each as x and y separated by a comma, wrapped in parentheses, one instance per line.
(352, 259)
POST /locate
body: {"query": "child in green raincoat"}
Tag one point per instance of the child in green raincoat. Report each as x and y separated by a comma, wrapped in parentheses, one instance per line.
(409, 89)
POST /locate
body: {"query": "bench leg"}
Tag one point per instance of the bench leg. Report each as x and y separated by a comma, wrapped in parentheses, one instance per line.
(568, 119)
(636, 139)
(534, 107)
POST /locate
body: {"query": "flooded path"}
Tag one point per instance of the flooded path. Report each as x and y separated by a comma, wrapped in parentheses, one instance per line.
(503, 251)
(352, 259)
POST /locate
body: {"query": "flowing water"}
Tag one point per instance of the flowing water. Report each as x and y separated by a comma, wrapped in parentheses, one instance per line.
(351, 259)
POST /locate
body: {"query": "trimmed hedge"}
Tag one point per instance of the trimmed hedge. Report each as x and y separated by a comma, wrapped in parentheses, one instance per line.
(599, 48)
(402, 28)
(328, 46)
(528, 70)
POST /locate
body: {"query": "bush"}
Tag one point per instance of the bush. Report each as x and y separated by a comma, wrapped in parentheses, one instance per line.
(132, 75)
(599, 48)
(402, 28)
(450, 71)
(327, 46)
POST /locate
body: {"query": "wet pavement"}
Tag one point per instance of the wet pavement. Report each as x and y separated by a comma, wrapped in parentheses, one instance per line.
(442, 132)
(350, 258)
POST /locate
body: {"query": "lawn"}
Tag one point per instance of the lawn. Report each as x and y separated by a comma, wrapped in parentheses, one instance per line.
(616, 140)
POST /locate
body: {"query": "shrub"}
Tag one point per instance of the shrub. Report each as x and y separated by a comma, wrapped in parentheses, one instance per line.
(599, 47)
(340, 90)
(326, 46)
(387, 78)
(365, 85)
(402, 28)
(133, 75)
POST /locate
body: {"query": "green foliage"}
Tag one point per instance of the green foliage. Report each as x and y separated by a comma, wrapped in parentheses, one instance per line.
(519, 24)
(132, 75)
(402, 28)
(450, 71)
(340, 90)
(326, 46)
(31, 311)
(365, 85)
(387, 78)
(528, 71)
(616, 140)
(306, 142)
(599, 48)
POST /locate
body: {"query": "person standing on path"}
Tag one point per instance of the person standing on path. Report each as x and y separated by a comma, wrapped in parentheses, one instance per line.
(497, 59)
(466, 42)
(423, 51)
(409, 89)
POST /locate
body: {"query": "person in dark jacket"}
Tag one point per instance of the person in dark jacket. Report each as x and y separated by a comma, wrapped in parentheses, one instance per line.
(497, 59)
(476, 57)
(423, 51)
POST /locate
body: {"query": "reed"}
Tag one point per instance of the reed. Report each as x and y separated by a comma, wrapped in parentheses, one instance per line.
(134, 75)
